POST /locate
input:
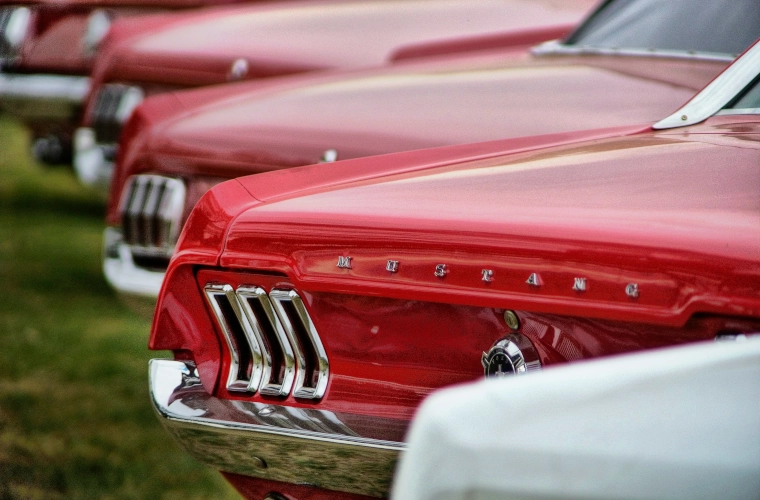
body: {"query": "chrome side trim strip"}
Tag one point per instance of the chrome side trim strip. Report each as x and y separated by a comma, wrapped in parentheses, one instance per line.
(246, 366)
(276, 442)
(718, 93)
(287, 363)
(555, 47)
(303, 388)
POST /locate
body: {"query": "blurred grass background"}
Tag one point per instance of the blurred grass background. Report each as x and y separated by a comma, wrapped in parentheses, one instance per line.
(75, 419)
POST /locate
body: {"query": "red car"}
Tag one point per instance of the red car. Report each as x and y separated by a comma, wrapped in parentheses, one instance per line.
(180, 144)
(310, 310)
(254, 42)
(46, 54)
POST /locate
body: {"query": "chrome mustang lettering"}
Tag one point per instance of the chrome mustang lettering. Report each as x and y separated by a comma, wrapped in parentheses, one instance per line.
(534, 280)
(632, 290)
(392, 266)
(487, 275)
(344, 262)
(579, 285)
(441, 270)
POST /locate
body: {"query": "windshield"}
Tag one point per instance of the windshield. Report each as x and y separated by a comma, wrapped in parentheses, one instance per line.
(749, 99)
(712, 26)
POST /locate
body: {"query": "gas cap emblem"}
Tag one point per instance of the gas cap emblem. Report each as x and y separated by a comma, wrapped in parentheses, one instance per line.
(512, 355)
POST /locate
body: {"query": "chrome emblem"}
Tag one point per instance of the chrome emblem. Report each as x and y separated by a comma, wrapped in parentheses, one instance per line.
(512, 355)
(392, 266)
(534, 280)
(487, 275)
(632, 290)
(579, 285)
(441, 270)
(344, 262)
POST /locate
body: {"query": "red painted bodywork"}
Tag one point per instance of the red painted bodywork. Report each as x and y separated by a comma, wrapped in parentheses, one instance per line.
(196, 49)
(675, 211)
(290, 37)
(257, 126)
(54, 41)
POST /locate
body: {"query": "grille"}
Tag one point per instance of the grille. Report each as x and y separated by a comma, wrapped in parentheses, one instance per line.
(151, 214)
(273, 344)
(113, 105)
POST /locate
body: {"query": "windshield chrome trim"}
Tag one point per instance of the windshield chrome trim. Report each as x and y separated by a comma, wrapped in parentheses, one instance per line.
(556, 47)
(718, 93)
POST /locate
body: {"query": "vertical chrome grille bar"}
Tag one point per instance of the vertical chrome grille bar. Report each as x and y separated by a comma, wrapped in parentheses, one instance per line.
(243, 351)
(279, 359)
(312, 372)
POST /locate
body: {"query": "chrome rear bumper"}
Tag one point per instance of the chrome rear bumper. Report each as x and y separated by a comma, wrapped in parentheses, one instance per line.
(43, 97)
(336, 451)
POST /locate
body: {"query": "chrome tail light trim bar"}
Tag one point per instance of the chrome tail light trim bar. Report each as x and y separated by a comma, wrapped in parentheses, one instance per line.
(276, 442)
(275, 333)
(313, 367)
(279, 356)
(151, 211)
(246, 364)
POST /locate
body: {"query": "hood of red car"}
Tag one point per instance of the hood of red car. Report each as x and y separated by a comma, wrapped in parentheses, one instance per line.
(287, 37)
(150, 4)
(419, 106)
(663, 209)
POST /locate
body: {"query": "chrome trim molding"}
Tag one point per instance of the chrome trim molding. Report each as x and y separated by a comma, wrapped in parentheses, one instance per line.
(246, 365)
(274, 346)
(151, 210)
(278, 355)
(275, 442)
(43, 96)
(122, 273)
(303, 388)
(718, 93)
(556, 47)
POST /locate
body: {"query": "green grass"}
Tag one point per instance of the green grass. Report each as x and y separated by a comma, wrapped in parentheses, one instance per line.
(75, 419)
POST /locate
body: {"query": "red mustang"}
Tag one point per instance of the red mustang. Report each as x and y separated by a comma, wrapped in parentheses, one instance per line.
(254, 42)
(310, 310)
(46, 54)
(180, 144)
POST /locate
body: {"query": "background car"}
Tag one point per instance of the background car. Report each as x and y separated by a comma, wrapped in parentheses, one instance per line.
(46, 55)
(310, 310)
(179, 144)
(634, 426)
(254, 42)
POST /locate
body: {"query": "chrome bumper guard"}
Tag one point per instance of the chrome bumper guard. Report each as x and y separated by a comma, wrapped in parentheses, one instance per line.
(40, 97)
(123, 274)
(275, 441)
